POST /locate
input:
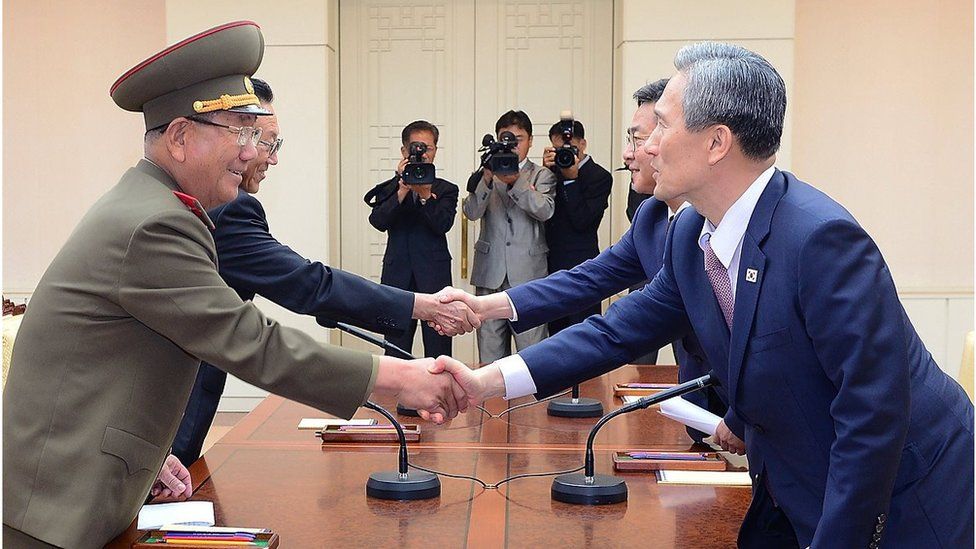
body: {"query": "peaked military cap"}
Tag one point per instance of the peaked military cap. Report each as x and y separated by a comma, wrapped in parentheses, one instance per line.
(206, 72)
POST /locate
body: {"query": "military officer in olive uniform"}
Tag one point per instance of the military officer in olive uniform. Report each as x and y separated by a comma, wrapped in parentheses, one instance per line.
(115, 331)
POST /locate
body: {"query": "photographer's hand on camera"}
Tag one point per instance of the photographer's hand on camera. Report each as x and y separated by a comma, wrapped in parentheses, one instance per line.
(402, 188)
(564, 174)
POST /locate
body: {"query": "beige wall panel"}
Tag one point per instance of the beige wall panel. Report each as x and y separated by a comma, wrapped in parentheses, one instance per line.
(960, 322)
(64, 140)
(295, 194)
(724, 20)
(295, 22)
(884, 124)
(930, 315)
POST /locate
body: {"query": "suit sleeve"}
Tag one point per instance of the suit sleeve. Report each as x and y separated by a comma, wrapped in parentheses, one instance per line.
(439, 212)
(566, 292)
(852, 314)
(642, 321)
(385, 212)
(251, 259)
(536, 197)
(587, 198)
(188, 303)
(475, 204)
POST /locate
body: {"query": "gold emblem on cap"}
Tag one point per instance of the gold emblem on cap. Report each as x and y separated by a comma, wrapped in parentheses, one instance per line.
(248, 86)
(226, 102)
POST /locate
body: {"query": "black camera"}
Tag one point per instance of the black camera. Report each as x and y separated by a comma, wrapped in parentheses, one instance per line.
(567, 153)
(418, 172)
(499, 156)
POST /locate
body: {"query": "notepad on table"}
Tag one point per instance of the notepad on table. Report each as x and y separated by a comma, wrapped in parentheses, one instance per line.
(708, 478)
(194, 513)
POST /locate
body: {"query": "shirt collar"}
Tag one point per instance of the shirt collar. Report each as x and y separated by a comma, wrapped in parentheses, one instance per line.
(522, 163)
(681, 207)
(725, 238)
(586, 158)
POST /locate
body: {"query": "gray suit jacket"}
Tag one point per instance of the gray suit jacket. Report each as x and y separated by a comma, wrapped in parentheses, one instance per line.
(108, 351)
(512, 241)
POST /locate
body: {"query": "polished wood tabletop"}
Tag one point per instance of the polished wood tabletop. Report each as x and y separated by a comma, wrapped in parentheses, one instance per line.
(265, 472)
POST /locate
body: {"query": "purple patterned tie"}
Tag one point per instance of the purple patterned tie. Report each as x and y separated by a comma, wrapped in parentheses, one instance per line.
(718, 275)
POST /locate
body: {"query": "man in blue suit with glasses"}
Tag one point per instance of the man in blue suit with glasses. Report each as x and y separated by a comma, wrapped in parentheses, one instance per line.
(854, 434)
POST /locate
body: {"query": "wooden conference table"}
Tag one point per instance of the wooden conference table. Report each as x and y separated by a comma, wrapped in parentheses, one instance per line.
(267, 473)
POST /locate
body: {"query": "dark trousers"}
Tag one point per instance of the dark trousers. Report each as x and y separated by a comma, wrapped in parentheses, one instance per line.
(765, 525)
(199, 414)
(435, 344)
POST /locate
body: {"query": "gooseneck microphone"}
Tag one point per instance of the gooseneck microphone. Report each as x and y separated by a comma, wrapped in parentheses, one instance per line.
(589, 488)
(575, 406)
(401, 484)
(370, 338)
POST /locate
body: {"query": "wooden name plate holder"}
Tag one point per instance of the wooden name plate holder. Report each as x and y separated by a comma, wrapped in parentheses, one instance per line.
(639, 389)
(368, 433)
(652, 460)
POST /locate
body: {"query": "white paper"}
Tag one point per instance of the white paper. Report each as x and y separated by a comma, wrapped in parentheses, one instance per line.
(710, 478)
(318, 424)
(693, 416)
(194, 513)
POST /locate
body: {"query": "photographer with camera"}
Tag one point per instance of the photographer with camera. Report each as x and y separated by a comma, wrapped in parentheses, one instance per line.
(582, 193)
(513, 197)
(416, 209)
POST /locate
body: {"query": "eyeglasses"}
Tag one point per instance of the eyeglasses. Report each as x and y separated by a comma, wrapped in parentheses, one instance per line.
(634, 141)
(244, 134)
(272, 146)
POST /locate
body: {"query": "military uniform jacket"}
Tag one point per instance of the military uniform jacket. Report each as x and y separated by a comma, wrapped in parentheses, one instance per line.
(512, 241)
(108, 351)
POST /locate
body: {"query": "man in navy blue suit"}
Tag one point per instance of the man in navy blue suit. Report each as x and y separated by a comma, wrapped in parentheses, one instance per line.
(635, 259)
(252, 261)
(854, 434)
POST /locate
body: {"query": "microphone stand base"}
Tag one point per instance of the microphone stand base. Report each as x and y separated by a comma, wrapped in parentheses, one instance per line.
(389, 485)
(605, 490)
(404, 411)
(583, 407)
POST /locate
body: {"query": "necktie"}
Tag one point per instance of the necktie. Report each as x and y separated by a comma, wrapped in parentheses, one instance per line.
(718, 275)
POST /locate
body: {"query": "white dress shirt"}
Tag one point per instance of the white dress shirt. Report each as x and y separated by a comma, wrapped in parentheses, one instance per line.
(726, 240)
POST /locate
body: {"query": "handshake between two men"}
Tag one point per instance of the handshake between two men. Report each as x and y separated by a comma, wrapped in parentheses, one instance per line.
(441, 388)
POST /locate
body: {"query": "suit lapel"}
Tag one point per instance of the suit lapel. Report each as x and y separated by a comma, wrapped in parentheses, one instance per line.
(749, 279)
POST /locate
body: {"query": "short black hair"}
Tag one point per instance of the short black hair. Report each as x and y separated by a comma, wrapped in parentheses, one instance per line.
(578, 130)
(514, 118)
(262, 90)
(419, 126)
(650, 93)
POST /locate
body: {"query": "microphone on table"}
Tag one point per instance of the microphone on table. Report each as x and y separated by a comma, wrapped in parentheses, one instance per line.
(589, 488)
(401, 484)
(574, 406)
(392, 349)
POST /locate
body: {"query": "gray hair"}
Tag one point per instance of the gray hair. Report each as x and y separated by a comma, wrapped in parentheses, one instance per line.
(650, 93)
(730, 85)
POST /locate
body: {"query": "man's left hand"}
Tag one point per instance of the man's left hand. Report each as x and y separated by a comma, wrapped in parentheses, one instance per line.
(173, 482)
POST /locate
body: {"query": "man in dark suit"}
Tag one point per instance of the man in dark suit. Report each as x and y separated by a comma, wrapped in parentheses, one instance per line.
(582, 191)
(252, 262)
(853, 433)
(416, 219)
(635, 259)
